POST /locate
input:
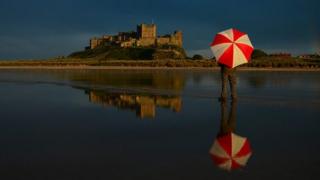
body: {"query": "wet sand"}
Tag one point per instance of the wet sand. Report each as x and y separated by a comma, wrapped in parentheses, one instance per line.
(90, 124)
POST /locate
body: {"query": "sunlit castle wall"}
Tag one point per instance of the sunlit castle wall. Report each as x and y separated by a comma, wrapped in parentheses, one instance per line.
(164, 40)
(146, 35)
(176, 38)
(94, 42)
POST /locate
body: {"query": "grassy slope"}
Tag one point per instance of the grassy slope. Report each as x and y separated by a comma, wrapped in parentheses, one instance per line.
(117, 53)
(266, 62)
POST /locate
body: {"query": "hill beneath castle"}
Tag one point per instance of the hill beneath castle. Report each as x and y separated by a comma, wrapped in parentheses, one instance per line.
(131, 53)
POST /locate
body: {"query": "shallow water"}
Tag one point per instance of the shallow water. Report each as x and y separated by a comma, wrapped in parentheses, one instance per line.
(154, 124)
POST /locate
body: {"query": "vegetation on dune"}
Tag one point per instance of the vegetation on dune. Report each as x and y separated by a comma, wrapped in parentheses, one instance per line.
(104, 53)
(262, 59)
(132, 53)
(257, 53)
(284, 62)
(265, 62)
(197, 57)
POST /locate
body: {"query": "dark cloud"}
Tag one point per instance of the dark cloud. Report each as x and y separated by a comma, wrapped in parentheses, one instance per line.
(41, 29)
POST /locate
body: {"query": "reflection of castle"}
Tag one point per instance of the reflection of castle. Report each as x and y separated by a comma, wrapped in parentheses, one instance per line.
(146, 35)
(144, 105)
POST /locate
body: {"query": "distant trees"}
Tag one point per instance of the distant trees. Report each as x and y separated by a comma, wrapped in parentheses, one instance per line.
(197, 57)
(257, 53)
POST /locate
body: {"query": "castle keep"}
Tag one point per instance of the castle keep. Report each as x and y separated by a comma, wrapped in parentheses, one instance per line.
(144, 36)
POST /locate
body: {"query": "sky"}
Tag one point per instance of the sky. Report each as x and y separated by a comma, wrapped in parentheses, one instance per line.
(36, 29)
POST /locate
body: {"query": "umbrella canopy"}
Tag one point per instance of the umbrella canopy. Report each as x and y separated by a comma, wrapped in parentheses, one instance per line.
(232, 48)
(230, 151)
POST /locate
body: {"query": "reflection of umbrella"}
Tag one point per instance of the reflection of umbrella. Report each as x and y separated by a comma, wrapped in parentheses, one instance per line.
(230, 151)
(232, 48)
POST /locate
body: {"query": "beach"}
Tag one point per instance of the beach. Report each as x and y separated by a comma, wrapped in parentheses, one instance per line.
(159, 120)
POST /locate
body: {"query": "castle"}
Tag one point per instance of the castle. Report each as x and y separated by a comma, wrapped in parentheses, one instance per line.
(145, 36)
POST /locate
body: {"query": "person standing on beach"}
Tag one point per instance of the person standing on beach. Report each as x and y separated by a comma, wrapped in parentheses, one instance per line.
(231, 48)
(228, 74)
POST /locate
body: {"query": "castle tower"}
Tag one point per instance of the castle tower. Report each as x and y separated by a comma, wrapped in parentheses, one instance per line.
(147, 34)
(146, 31)
(178, 38)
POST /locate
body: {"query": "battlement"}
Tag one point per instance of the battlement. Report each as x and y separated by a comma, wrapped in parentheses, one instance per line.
(144, 36)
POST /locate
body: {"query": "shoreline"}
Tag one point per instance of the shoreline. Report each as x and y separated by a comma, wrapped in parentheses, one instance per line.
(83, 67)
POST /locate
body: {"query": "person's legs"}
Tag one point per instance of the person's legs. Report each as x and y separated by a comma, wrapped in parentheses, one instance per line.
(233, 84)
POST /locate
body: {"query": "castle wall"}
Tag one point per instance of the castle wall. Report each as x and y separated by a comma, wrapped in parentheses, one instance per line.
(146, 35)
(125, 36)
(163, 41)
(146, 42)
(176, 39)
(129, 43)
(95, 42)
(108, 37)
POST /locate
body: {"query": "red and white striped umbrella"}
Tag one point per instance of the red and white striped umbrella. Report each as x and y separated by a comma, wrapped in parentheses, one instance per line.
(230, 151)
(232, 48)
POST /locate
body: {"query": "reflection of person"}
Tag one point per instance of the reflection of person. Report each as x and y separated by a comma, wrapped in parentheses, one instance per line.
(228, 123)
(229, 150)
(228, 74)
